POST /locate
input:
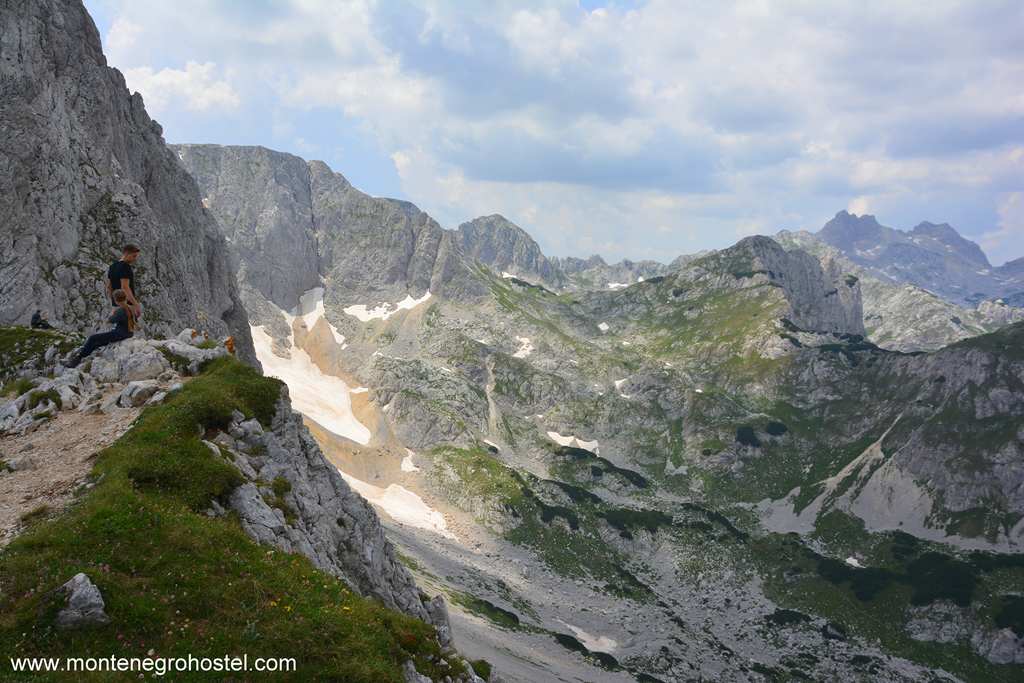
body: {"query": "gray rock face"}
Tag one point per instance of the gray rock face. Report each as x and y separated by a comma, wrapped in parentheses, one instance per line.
(506, 248)
(137, 364)
(934, 257)
(820, 295)
(944, 622)
(905, 317)
(324, 519)
(85, 606)
(83, 169)
(294, 224)
(262, 201)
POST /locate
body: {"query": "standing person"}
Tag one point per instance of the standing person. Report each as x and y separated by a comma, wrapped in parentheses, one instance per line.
(120, 276)
(123, 318)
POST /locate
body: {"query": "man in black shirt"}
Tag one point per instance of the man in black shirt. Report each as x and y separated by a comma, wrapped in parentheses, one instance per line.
(121, 276)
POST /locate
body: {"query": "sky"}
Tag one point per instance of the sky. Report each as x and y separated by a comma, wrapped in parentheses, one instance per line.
(630, 129)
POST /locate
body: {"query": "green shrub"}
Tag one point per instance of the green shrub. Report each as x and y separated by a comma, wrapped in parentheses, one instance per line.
(38, 396)
(1011, 614)
(935, 576)
(746, 436)
(179, 363)
(482, 668)
(16, 387)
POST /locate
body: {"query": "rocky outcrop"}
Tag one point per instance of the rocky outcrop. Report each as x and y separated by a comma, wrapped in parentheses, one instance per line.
(945, 622)
(506, 248)
(905, 317)
(83, 169)
(84, 606)
(820, 295)
(140, 371)
(296, 501)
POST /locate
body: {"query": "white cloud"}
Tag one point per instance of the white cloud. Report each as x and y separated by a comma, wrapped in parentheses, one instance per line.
(666, 126)
(123, 35)
(1007, 241)
(196, 87)
(859, 206)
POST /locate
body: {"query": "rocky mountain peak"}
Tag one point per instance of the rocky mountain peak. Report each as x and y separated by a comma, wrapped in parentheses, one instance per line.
(846, 230)
(505, 247)
(821, 295)
(947, 236)
(933, 256)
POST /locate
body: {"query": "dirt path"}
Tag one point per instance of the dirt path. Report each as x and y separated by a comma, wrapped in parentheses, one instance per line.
(52, 462)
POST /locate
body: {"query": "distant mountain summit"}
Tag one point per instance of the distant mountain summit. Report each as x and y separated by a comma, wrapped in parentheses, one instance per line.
(932, 256)
(506, 248)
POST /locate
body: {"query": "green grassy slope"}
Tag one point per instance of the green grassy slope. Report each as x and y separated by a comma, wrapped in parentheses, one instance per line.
(178, 582)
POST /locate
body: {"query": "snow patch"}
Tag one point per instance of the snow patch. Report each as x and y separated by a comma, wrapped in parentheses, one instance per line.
(854, 562)
(310, 310)
(385, 310)
(407, 464)
(617, 285)
(525, 347)
(358, 390)
(593, 643)
(603, 327)
(575, 442)
(322, 398)
(401, 505)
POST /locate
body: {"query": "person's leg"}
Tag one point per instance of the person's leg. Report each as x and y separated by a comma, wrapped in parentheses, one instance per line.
(94, 342)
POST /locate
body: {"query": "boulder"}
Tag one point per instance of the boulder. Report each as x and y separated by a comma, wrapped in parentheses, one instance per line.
(411, 675)
(138, 393)
(192, 356)
(191, 336)
(84, 606)
(21, 463)
(132, 359)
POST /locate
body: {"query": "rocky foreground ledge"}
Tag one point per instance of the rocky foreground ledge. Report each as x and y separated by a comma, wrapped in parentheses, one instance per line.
(277, 486)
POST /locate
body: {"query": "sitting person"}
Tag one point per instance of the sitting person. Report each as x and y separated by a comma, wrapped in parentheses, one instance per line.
(123, 318)
(39, 322)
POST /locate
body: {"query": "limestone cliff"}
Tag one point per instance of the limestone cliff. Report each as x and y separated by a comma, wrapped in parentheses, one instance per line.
(84, 169)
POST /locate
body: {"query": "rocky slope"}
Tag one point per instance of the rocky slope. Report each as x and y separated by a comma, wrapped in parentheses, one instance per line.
(933, 257)
(84, 169)
(239, 447)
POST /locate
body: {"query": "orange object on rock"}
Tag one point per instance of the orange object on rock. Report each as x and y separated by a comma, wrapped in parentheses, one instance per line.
(230, 344)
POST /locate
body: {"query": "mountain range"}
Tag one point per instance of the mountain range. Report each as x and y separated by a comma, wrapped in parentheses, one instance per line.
(797, 457)
(588, 428)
